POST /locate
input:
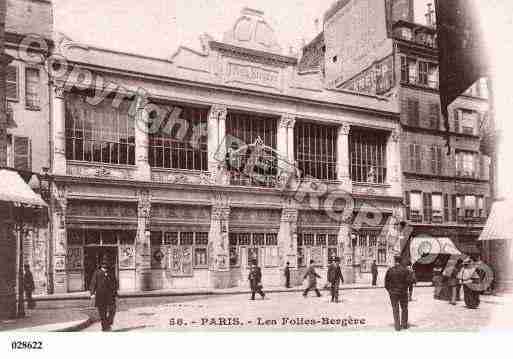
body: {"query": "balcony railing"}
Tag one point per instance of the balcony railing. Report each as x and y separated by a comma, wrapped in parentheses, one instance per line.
(415, 80)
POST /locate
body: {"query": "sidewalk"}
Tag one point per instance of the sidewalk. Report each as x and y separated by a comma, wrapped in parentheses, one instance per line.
(45, 320)
(201, 291)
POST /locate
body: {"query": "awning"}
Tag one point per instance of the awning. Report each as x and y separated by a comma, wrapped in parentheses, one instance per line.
(422, 245)
(499, 225)
(13, 189)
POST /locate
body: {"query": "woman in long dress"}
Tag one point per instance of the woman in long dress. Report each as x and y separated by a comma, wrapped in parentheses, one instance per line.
(469, 279)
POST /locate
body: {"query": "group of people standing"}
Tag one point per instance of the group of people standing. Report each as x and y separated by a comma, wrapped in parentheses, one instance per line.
(467, 275)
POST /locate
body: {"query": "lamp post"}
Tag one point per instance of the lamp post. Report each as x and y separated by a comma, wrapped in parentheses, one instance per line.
(19, 223)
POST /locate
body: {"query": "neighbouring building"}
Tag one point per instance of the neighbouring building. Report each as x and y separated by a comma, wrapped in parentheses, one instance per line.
(379, 47)
(171, 203)
(26, 148)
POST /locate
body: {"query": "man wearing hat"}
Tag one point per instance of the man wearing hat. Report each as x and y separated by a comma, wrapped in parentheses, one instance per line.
(335, 278)
(255, 280)
(397, 280)
(104, 289)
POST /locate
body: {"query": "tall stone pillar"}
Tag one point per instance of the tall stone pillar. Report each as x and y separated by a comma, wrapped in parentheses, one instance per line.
(287, 240)
(59, 130)
(343, 175)
(142, 144)
(347, 260)
(216, 144)
(285, 148)
(219, 246)
(142, 242)
(58, 246)
(393, 157)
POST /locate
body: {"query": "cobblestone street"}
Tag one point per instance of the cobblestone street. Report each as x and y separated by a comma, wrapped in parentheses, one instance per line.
(359, 310)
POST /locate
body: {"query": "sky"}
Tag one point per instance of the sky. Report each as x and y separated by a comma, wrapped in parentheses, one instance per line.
(158, 27)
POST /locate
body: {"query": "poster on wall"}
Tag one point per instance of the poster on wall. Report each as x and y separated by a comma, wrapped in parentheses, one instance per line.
(60, 262)
(74, 258)
(126, 257)
(180, 261)
(158, 257)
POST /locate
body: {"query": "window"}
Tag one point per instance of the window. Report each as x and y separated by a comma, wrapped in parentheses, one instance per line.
(312, 246)
(101, 133)
(465, 164)
(412, 71)
(200, 250)
(433, 76)
(405, 70)
(258, 247)
(315, 150)
(250, 136)
(416, 206)
(368, 156)
(413, 112)
(436, 160)
(11, 83)
(32, 88)
(22, 153)
(468, 122)
(459, 207)
(180, 143)
(428, 207)
(470, 206)
(482, 88)
(415, 152)
(368, 248)
(480, 207)
(437, 208)
(423, 73)
(434, 116)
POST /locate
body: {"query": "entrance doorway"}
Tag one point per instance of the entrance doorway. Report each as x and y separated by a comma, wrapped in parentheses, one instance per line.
(93, 257)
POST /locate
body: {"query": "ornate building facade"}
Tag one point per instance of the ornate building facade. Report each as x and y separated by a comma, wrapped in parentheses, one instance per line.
(184, 170)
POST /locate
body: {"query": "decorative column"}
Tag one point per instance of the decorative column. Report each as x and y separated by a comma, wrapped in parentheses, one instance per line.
(347, 260)
(142, 242)
(285, 148)
(394, 163)
(343, 175)
(58, 247)
(219, 246)
(59, 130)
(287, 240)
(142, 143)
(217, 144)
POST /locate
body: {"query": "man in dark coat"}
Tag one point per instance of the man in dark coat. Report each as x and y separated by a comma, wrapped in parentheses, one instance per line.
(28, 286)
(335, 278)
(312, 280)
(104, 288)
(397, 281)
(286, 272)
(374, 271)
(255, 280)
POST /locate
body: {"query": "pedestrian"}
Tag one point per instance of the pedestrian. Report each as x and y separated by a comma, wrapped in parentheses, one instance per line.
(470, 280)
(28, 286)
(397, 280)
(374, 271)
(437, 282)
(335, 278)
(286, 272)
(453, 282)
(255, 280)
(312, 280)
(104, 290)
(412, 283)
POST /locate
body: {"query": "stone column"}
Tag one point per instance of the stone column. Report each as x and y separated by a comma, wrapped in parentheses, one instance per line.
(216, 143)
(59, 130)
(344, 241)
(343, 175)
(219, 242)
(287, 241)
(393, 157)
(142, 144)
(142, 242)
(58, 247)
(285, 148)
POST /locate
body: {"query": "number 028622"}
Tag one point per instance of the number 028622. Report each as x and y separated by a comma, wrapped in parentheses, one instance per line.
(30, 345)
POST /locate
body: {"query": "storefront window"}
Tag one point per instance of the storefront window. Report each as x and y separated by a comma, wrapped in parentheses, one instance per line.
(368, 156)
(200, 250)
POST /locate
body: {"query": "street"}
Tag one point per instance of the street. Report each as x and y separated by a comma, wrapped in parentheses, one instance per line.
(359, 310)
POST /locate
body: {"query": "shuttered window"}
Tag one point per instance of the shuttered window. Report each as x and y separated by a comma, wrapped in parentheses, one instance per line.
(413, 112)
(436, 160)
(457, 121)
(32, 88)
(22, 153)
(446, 207)
(434, 116)
(428, 206)
(415, 157)
(407, 204)
(11, 83)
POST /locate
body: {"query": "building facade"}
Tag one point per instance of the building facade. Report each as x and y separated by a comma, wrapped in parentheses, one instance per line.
(184, 170)
(446, 192)
(26, 140)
